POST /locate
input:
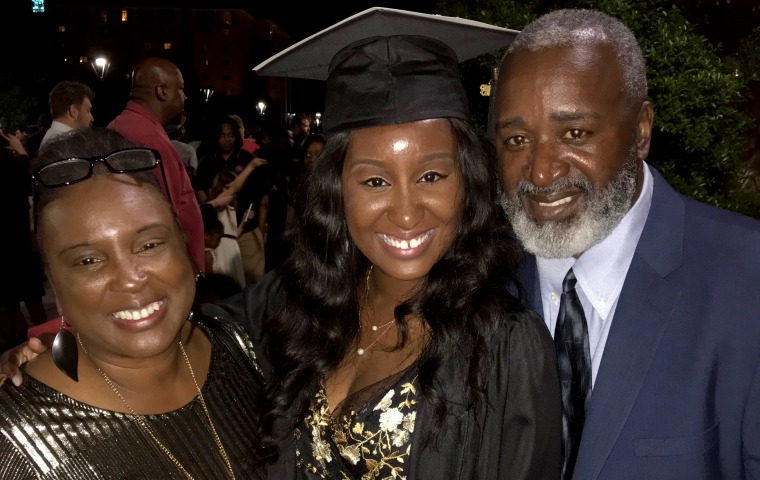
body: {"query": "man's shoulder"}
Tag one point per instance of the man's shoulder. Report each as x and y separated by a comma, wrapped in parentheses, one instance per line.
(698, 215)
(720, 230)
(138, 129)
(707, 214)
(703, 237)
(125, 116)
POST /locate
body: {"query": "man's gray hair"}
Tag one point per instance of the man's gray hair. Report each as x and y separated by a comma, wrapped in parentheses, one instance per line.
(573, 26)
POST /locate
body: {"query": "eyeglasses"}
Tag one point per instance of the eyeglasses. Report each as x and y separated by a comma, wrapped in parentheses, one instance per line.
(72, 170)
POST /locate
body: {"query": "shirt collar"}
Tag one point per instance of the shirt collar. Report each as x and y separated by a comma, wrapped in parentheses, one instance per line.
(145, 112)
(601, 269)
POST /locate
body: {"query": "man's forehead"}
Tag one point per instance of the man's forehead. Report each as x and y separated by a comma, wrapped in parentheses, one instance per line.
(553, 59)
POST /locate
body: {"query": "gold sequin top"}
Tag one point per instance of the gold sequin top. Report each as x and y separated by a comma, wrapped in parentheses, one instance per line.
(47, 435)
(367, 437)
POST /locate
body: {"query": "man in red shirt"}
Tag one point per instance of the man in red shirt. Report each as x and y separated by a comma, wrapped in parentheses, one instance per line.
(157, 98)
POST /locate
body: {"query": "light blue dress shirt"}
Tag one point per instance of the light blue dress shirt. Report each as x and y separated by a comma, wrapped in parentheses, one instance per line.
(601, 271)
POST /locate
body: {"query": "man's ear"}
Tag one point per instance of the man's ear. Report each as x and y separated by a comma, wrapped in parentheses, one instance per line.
(73, 111)
(161, 91)
(644, 129)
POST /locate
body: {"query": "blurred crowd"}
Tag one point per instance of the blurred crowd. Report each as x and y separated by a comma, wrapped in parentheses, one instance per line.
(239, 179)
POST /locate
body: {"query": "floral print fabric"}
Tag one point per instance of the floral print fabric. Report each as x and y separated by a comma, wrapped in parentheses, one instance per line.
(371, 443)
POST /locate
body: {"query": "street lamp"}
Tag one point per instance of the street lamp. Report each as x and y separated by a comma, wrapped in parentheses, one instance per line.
(100, 65)
(207, 92)
(317, 119)
(261, 107)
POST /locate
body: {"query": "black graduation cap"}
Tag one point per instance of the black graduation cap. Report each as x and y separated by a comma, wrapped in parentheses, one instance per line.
(386, 66)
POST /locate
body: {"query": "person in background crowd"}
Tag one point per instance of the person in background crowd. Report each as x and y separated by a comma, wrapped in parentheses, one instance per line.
(70, 108)
(23, 281)
(651, 296)
(227, 153)
(157, 98)
(300, 126)
(249, 144)
(186, 151)
(226, 255)
(33, 140)
(312, 147)
(213, 232)
(231, 170)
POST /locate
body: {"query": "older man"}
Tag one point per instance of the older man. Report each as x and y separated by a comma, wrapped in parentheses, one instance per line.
(652, 298)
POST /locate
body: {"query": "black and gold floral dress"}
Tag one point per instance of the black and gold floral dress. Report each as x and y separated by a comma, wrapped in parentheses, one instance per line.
(367, 436)
(514, 434)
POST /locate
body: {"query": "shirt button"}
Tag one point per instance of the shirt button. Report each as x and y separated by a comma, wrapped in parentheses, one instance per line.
(554, 297)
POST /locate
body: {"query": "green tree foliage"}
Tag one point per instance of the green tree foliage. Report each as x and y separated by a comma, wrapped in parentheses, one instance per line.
(14, 105)
(701, 129)
(748, 56)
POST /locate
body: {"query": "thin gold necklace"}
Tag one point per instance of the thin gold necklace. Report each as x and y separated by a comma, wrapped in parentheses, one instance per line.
(140, 420)
(387, 325)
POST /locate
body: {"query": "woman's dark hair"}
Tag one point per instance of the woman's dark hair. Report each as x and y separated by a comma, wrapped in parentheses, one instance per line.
(234, 125)
(463, 300)
(211, 222)
(94, 142)
(315, 138)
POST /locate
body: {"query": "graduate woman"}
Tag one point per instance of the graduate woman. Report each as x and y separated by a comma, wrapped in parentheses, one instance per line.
(398, 351)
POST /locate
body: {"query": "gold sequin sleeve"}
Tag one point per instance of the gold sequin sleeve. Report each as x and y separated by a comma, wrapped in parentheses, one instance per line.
(47, 435)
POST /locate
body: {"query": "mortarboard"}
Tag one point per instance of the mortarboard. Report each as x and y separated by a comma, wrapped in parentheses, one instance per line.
(385, 66)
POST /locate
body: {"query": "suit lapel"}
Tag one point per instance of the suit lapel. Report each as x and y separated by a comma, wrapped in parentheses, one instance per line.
(644, 309)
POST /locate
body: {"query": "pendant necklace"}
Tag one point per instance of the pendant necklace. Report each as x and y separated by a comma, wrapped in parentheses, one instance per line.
(360, 350)
(387, 325)
(140, 419)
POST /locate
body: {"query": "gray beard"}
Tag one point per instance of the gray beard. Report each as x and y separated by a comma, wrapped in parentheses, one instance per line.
(572, 236)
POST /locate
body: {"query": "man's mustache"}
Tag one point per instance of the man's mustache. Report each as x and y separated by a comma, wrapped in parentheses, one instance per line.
(582, 183)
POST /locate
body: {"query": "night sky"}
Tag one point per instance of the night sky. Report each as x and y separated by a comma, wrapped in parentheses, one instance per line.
(302, 18)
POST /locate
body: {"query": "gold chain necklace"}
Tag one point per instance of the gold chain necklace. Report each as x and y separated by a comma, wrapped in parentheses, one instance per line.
(140, 420)
(387, 325)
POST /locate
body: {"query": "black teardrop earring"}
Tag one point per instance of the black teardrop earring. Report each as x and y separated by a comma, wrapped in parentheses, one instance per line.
(65, 352)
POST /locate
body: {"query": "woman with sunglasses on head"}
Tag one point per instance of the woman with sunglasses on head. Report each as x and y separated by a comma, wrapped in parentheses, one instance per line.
(143, 386)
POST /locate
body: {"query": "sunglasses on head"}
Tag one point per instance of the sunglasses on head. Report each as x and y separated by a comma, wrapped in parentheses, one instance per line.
(72, 170)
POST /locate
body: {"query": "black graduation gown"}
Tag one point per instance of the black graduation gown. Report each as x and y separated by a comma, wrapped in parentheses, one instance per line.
(516, 434)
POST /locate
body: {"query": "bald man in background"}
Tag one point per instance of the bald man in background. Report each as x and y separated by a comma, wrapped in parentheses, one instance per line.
(157, 98)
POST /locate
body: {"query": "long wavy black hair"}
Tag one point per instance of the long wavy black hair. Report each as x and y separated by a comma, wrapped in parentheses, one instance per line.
(463, 299)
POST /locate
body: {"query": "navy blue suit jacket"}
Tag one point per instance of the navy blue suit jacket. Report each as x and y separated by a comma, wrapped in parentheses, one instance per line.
(677, 395)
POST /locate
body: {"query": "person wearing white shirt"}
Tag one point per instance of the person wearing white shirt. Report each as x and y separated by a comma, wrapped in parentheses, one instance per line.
(71, 109)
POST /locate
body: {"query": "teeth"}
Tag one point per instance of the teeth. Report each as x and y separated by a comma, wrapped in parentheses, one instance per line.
(141, 313)
(561, 201)
(404, 244)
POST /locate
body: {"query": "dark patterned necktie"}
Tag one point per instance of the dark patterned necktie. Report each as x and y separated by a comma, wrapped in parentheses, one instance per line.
(574, 360)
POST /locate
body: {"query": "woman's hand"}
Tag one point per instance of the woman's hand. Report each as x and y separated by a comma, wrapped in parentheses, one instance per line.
(223, 199)
(257, 162)
(14, 143)
(11, 360)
